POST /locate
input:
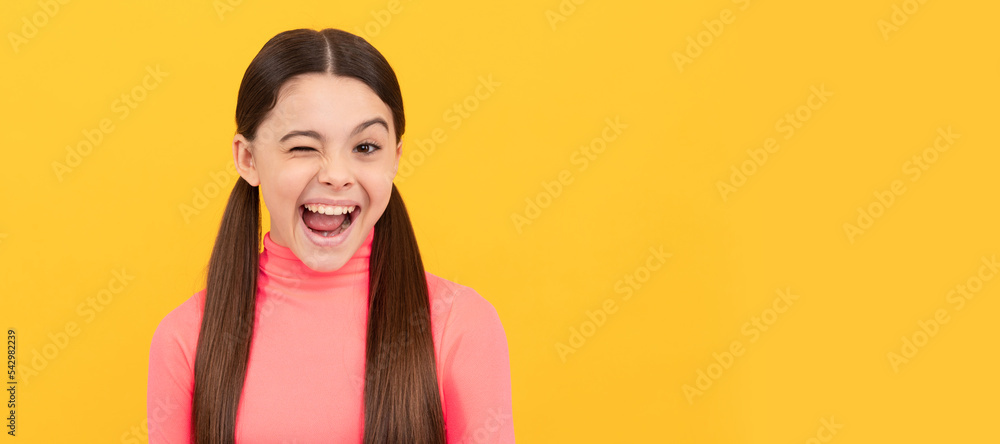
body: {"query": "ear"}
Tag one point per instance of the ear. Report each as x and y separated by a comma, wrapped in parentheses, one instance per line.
(243, 157)
(399, 153)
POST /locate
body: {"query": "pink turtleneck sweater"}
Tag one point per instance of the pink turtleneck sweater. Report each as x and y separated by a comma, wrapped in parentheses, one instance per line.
(305, 374)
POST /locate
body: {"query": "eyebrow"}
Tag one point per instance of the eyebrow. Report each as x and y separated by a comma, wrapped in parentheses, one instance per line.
(357, 130)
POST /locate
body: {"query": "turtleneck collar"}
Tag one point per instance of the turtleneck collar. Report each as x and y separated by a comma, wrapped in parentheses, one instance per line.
(282, 270)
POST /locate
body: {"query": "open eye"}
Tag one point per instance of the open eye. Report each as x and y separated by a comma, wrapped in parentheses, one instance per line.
(370, 148)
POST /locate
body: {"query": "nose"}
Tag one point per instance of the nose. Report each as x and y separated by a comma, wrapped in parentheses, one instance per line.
(335, 172)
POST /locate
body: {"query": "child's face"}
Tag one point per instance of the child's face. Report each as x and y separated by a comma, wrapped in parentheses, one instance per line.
(331, 164)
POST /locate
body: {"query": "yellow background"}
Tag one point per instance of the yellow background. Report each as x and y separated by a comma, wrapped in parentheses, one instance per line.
(563, 69)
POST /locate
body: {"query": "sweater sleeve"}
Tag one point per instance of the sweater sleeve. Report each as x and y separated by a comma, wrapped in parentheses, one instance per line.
(171, 377)
(477, 386)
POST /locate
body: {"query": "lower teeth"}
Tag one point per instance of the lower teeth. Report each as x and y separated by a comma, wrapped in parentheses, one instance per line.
(340, 229)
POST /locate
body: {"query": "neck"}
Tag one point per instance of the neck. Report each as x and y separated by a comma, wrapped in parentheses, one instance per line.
(281, 270)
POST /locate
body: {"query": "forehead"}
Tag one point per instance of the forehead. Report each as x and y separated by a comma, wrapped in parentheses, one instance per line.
(331, 105)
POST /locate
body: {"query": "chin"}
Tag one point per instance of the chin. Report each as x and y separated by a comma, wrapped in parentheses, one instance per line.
(325, 259)
(325, 263)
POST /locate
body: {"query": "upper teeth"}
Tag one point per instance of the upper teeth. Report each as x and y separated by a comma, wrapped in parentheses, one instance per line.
(329, 209)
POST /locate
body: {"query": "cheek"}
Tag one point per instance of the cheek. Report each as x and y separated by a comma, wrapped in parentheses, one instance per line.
(282, 190)
(378, 186)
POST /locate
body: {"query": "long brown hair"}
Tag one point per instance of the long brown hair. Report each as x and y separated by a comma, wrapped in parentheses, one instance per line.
(401, 398)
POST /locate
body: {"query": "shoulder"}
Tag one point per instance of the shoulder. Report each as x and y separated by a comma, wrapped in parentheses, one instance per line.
(473, 364)
(170, 380)
(453, 303)
(182, 317)
(463, 320)
(178, 330)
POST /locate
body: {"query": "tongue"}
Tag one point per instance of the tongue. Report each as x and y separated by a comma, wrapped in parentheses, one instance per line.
(322, 222)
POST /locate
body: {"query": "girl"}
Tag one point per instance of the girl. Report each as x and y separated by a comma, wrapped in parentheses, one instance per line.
(334, 332)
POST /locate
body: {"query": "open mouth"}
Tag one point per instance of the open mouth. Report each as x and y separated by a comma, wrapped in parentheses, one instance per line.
(328, 220)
